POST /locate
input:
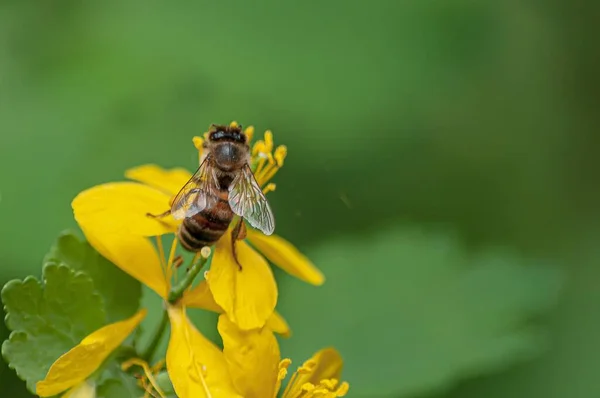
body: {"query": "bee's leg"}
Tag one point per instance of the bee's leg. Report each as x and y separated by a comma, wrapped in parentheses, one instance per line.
(177, 261)
(161, 215)
(237, 233)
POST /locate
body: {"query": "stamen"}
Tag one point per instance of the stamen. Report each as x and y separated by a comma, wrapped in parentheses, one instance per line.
(171, 257)
(249, 131)
(308, 386)
(292, 379)
(198, 142)
(307, 367)
(270, 187)
(270, 174)
(233, 124)
(342, 389)
(158, 366)
(161, 254)
(268, 141)
(281, 375)
(259, 147)
(260, 165)
(266, 170)
(280, 154)
(147, 371)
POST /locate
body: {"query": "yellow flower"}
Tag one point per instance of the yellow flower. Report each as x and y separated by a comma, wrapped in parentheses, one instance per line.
(194, 364)
(257, 371)
(72, 369)
(113, 217)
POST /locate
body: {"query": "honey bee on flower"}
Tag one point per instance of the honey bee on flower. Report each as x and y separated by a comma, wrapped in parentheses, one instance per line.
(112, 214)
(222, 187)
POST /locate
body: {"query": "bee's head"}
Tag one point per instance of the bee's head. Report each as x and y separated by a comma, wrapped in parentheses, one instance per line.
(227, 133)
(228, 147)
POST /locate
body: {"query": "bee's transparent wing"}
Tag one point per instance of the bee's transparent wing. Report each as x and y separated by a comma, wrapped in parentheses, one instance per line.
(247, 200)
(199, 193)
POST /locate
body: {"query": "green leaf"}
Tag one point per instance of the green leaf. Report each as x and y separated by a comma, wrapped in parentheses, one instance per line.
(164, 382)
(412, 312)
(115, 383)
(48, 319)
(121, 292)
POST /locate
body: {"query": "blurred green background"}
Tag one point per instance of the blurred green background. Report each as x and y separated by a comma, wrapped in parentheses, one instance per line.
(442, 168)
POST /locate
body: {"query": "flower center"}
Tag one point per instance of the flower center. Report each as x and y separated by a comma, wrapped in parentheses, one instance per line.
(265, 159)
(326, 388)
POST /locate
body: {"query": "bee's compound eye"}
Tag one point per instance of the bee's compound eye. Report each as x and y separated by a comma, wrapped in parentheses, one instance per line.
(217, 135)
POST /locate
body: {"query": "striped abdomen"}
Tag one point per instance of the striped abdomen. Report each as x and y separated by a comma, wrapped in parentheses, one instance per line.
(206, 227)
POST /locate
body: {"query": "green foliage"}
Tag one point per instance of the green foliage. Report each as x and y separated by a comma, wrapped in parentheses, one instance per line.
(412, 312)
(121, 293)
(465, 103)
(164, 382)
(81, 292)
(47, 319)
(114, 383)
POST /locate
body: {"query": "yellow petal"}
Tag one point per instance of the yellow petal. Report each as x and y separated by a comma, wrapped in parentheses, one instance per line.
(87, 389)
(122, 207)
(169, 181)
(200, 297)
(248, 296)
(252, 357)
(279, 325)
(283, 254)
(133, 254)
(196, 367)
(73, 367)
(325, 364)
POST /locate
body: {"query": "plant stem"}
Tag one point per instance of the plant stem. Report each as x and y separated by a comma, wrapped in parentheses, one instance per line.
(174, 295)
(177, 291)
(149, 351)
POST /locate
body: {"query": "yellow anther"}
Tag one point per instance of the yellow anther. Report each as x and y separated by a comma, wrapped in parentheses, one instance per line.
(281, 374)
(249, 131)
(270, 187)
(259, 148)
(268, 141)
(205, 135)
(205, 252)
(307, 367)
(342, 390)
(285, 363)
(329, 383)
(280, 154)
(308, 386)
(233, 124)
(198, 142)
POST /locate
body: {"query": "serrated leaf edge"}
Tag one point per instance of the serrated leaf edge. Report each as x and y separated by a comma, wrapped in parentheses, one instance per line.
(42, 283)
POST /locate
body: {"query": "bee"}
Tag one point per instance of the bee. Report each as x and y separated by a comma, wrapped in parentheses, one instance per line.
(222, 187)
